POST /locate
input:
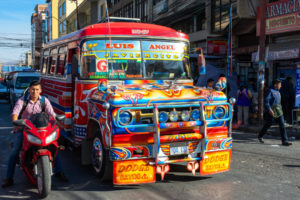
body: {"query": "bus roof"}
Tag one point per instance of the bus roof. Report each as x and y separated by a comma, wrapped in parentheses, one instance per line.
(122, 29)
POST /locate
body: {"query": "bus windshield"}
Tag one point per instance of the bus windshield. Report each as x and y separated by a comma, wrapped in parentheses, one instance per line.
(134, 59)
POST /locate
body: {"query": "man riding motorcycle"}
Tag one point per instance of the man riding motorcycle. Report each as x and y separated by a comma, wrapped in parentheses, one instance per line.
(25, 108)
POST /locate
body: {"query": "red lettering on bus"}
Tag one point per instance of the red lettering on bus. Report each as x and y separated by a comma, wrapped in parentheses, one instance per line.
(119, 46)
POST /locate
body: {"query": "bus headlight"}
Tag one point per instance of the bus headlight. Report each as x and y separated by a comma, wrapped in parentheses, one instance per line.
(219, 112)
(163, 116)
(173, 115)
(125, 117)
(196, 114)
(185, 115)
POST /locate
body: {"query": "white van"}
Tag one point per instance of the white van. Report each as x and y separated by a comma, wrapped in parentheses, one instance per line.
(20, 81)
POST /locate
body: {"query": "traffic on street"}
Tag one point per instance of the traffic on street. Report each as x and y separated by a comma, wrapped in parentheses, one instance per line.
(150, 99)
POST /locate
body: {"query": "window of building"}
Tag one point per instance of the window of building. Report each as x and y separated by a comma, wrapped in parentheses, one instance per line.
(141, 10)
(221, 12)
(59, 11)
(63, 8)
(156, 1)
(64, 26)
(101, 12)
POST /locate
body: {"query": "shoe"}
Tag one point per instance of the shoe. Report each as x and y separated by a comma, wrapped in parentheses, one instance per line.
(261, 140)
(286, 143)
(61, 176)
(7, 182)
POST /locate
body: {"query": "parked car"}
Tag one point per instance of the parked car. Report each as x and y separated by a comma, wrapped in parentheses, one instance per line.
(3, 91)
(18, 83)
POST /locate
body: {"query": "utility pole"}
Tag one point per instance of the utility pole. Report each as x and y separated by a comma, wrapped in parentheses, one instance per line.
(261, 67)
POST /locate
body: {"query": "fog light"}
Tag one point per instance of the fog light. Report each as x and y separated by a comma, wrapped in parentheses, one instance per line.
(173, 115)
(185, 115)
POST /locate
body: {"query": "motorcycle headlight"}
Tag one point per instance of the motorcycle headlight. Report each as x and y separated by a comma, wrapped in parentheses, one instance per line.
(51, 137)
(163, 117)
(33, 139)
(185, 115)
(196, 114)
(173, 115)
(219, 112)
(125, 118)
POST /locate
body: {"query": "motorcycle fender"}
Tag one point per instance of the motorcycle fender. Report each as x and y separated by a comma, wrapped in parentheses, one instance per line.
(42, 152)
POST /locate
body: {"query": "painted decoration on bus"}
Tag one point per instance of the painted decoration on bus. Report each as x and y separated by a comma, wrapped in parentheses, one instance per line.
(164, 50)
(215, 162)
(133, 172)
(121, 59)
(115, 59)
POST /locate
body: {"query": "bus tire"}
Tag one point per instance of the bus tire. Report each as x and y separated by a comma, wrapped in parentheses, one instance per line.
(101, 163)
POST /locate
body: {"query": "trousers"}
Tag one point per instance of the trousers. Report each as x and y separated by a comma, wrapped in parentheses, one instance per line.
(268, 122)
(243, 114)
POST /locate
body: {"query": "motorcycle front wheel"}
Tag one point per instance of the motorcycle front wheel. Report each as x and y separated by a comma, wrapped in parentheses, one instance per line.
(43, 176)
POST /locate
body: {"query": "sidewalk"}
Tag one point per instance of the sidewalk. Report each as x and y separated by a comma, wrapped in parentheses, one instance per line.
(273, 130)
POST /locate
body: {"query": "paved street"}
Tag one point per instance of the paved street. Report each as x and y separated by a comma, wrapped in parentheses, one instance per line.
(268, 171)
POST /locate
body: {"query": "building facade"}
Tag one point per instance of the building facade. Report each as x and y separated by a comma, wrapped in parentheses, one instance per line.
(283, 41)
(38, 33)
(52, 19)
(28, 58)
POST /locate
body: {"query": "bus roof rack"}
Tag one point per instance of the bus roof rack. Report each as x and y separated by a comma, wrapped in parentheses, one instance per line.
(120, 19)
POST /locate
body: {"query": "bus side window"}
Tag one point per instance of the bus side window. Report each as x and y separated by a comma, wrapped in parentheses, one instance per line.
(61, 65)
(74, 65)
(44, 65)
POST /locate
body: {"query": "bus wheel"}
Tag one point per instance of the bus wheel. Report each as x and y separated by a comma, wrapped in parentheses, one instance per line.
(100, 160)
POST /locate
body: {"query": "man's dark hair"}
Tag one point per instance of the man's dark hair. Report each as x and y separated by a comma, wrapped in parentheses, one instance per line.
(276, 81)
(34, 83)
(210, 80)
(222, 75)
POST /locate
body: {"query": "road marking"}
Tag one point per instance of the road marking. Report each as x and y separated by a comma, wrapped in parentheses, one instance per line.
(13, 197)
(1, 128)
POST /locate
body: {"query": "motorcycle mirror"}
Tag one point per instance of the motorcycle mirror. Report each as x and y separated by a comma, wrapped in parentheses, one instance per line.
(20, 122)
(60, 117)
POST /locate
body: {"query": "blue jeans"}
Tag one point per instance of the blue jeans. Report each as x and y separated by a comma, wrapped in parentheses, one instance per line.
(13, 157)
(268, 122)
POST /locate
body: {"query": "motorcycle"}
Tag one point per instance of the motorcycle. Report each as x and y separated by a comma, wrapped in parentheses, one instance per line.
(39, 149)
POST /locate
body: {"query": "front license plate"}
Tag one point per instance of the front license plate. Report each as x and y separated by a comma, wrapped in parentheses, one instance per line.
(215, 162)
(133, 172)
(179, 150)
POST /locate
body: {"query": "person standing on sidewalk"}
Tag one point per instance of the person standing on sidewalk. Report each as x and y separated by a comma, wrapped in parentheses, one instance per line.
(243, 102)
(273, 111)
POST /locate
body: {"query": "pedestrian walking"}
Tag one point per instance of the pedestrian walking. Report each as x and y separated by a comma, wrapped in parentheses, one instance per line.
(273, 111)
(243, 103)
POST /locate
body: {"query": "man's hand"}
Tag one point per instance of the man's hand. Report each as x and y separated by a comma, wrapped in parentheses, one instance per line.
(271, 113)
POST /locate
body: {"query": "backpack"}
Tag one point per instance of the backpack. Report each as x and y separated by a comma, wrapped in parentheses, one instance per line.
(26, 95)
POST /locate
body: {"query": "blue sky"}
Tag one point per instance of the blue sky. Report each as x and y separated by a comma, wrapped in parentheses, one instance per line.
(15, 23)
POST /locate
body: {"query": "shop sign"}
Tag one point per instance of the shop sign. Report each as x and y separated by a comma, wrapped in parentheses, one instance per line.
(279, 55)
(297, 102)
(216, 46)
(281, 16)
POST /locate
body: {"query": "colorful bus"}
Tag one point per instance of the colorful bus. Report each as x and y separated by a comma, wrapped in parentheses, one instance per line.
(130, 103)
